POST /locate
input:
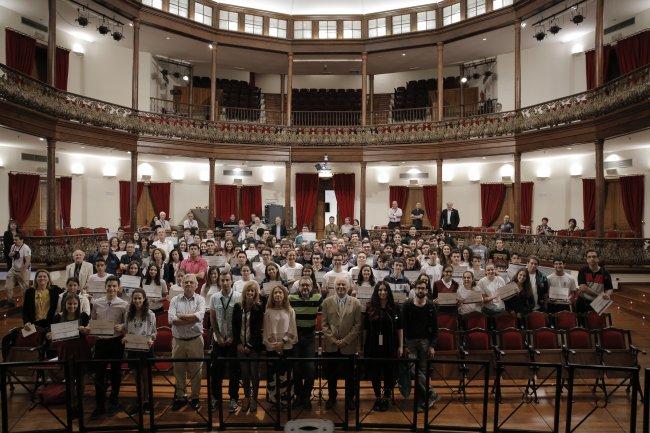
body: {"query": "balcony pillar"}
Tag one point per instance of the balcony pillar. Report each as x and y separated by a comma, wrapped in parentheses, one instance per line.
(51, 43)
(516, 213)
(362, 198)
(282, 79)
(438, 190)
(191, 96)
(462, 91)
(364, 87)
(287, 195)
(440, 66)
(51, 187)
(211, 163)
(371, 89)
(599, 146)
(213, 85)
(136, 64)
(289, 86)
(599, 56)
(134, 191)
(517, 64)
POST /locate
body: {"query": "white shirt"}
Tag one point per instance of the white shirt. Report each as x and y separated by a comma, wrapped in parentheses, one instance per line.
(463, 293)
(190, 224)
(490, 288)
(448, 216)
(23, 251)
(533, 286)
(433, 271)
(207, 292)
(84, 303)
(166, 246)
(346, 229)
(394, 215)
(562, 281)
(182, 305)
(290, 273)
(332, 275)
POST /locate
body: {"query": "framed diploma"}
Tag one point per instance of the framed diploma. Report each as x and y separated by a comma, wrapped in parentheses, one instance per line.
(153, 291)
(447, 299)
(137, 342)
(65, 330)
(130, 281)
(364, 293)
(559, 293)
(473, 298)
(102, 328)
(508, 291)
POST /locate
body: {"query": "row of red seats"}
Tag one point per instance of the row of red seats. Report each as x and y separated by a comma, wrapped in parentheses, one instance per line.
(67, 232)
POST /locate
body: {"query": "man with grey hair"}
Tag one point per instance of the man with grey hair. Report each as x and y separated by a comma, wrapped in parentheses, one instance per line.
(449, 218)
(161, 221)
(79, 268)
(341, 329)
(186, 313)
(394, 216)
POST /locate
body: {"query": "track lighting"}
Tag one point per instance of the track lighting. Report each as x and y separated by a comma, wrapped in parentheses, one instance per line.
(117, 35)
(464, 80)
(103, 29)
(577, 15)
(554, 28)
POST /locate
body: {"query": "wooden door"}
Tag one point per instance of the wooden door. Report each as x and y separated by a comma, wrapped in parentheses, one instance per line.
(37, 218)
(614, 214)
(319, 218)
(508, 207)
(416, 195)
(145, 209)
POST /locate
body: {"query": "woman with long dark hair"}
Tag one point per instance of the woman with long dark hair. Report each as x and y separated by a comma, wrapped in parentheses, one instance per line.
(175, 259)
(524, 302)
(153, 278)
(383, 339)
(8, 240)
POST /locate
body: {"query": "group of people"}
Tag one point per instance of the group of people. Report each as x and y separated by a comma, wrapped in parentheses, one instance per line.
(259, 296)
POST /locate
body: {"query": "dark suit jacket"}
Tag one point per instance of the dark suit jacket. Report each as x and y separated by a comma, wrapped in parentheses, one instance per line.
(283, 230)
(542, 289)
(455, 220)
(29, 307)
(256, 321)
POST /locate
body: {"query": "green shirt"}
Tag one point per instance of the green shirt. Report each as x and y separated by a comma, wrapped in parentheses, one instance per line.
(306, 310)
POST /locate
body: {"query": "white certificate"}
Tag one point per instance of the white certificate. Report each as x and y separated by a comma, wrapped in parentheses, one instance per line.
(137, 342)
(320, 276)
(600, 304)
(380, 274)
(370, 261)
(508, 291)
(473, 298)
(364, 293)
(561, 293)
(447, 299)
(96, 286)
(153, 291)
(218, 261)
(412, 275)
(251, 254)
(354, 273)
(119, 254)
(399, 297)
(65, 330)
(130, 281)
(171, 239)
(309, 236)
(269, 285)
(102, 327)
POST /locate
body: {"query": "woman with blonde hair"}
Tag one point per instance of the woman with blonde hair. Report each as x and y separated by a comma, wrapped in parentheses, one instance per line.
(247, 320)
(280, 334)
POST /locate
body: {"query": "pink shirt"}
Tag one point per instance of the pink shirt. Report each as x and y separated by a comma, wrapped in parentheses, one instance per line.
(194, 266)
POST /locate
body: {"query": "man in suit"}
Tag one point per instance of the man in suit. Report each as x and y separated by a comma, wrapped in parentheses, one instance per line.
(240, 232)
(341, 329)
(278, 229)
(449, 218)
(80, 269)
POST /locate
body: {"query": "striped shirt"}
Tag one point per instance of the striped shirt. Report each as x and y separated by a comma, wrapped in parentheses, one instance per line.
(306, 310)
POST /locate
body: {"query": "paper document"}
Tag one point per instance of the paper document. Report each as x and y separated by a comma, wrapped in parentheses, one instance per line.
(508, 291)
(447, 299)
(65, 330)
(102, 327)
(600, 304)
(137, 342)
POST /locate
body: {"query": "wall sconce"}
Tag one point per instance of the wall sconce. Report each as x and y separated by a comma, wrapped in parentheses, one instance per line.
(77, 169)
(575, 170)
(177, 174)
(447, 173)
(383, 177)
(474, 174)
(204, 176)
(109, 170)
(543, 172)
(2, 163)
(268, 174)
(145, 170)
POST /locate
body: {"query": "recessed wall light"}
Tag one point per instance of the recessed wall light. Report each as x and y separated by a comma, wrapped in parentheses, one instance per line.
(523, 24)
(403, 54)
(167, 37)
(485, 39)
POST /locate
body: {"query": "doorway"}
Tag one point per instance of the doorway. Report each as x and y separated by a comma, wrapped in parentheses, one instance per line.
(326, 197)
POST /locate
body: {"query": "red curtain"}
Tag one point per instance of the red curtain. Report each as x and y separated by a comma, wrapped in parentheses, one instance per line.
(61, 73)
(633, 52)
(632, 190)
(526, 210)
(20, 51)
(344, 190)
(65, 199)
(492, 196)
(125, 201)
(23, 191)
(225, 201)
(590, 61)
(399, 194)
(306, 198)
(160, 193)
(430, 193)
(589, 203)
(251, 200)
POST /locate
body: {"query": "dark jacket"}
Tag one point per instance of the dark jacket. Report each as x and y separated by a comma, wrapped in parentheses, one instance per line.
(168, 273)
(455, 220)
(283, 230)
(542, 289)
(29, 307)
(112, 262)
(256, 322)
(7, 242)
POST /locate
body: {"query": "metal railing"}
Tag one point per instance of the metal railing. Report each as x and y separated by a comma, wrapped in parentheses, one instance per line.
(249, 115)
(326, 118)
(166, 106)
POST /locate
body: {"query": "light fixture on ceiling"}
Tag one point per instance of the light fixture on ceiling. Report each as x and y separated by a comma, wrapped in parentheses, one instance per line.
(577, 15)
(464, 80)
(117, 34)
(523, 24)
(103, 28)
(167, 38)
(485, 39)
(82, 18)
(554, 27)
(186, 78)
(540, 34)
(323, 168)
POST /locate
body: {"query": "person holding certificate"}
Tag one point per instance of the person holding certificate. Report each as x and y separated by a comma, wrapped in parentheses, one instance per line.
(172, 265)
(139, 330)
(247, 320)
(398, 283)
(306, 272)
(593, 280)
(538, 284)
(489, 285)
(445, 285)
(72, 289)
(470, 299)
(211, 285)
(106, 312)
(246, 276)
(41, 300)
(272, 278)
(382, 339)
(562, 288)
(155, 287)
(291, 269)
(524, 302)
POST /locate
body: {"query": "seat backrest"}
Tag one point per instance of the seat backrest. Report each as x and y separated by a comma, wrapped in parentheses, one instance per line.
(536, 320)
(565, 320)
(447, 321)
(447, 340)
(504, 321)
(546, 339)
(595, 321)
(613, 338)
(475, 320)
(162, 345)
(511, 339)
(580, 338)
(477, 339)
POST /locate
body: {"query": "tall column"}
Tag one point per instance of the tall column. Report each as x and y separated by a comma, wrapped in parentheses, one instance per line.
(211, 163)
(438, 189)
(600, 7)
(136, 63)
(371, 90)
(213, 84)
(440, 66)
(517, 190)
(134, 191)
(600, 188)
(51, 43)
(191, 96)
(362, 194)
(462, 90)
(517, 64)
(282, 76)
(289, 86)
(364, 87)
(51, 187)
(287, 194)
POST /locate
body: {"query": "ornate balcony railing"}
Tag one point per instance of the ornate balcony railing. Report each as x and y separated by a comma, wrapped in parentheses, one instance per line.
(624, 91)
(166, 106)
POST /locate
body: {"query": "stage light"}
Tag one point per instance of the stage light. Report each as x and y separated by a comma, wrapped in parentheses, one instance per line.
(186, 78)
(117, 34)
(464, 80)
(476, 76)
(103, 29)
(82, 21)
(577, 15)
(540, 35)
(554, 28)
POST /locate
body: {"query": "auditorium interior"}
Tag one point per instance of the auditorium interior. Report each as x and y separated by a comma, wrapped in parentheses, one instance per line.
(403, 132)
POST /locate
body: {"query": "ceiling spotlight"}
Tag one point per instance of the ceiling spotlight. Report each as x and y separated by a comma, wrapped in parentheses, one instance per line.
(186, 78)
(476, 76)
(117, 35)
(540, 34)
(554, 29)
(523, 25)
(103, 29)
(176, 75)
(487, 74)
(576, 15)
(464, 80)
